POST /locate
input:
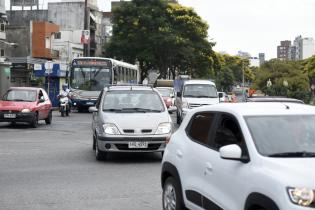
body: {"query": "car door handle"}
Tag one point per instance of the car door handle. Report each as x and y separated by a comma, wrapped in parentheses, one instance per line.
(179, 154)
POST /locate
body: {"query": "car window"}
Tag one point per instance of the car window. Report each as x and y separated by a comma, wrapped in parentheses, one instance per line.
(133, 100)
(228, 132)
(20, 95)
(200, 90)
(282, 134)
(45, 96)
(199, 127)
(40, 95)
(98, 102)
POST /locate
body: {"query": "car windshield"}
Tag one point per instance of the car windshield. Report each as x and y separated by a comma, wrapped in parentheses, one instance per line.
(132, 101)
(165, 92)
(20, 95)
(200, 91)
(283, 136)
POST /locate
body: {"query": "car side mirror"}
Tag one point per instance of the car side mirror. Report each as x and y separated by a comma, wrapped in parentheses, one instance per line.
(220, 95)
(179, 94)
(171, 109)
(231, 152)
(93, 109)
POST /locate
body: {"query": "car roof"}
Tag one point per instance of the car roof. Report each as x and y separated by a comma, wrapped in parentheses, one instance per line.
(262, 108)
(273, 99)
(25, 88)
(128, 87)
(199, 82)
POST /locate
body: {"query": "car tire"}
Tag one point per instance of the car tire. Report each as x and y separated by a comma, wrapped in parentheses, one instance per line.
(178, 118)
(172, 196)
(99, 155)
(94, 140)
(49, 118)
(34, 122)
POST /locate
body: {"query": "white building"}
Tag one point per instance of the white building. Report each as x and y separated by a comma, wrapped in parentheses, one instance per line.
(305, 47)
(254, 62)
(68, 43)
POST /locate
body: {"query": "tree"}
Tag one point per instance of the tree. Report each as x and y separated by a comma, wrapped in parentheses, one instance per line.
(230, 71)
(287, 79)
(161, 36)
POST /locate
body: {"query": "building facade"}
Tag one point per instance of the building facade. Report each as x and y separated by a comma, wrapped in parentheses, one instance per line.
(284, 50)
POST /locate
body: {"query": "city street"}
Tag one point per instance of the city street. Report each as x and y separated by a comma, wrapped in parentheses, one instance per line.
(54, 167)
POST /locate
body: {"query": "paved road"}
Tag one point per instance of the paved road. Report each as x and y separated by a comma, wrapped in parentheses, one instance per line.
(53, 167)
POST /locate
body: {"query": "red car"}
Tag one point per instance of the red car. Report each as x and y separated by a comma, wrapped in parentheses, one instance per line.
(26, 104)
(168, 95)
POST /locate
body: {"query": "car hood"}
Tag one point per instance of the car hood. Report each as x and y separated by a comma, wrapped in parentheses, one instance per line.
(294, 172)
(126, 121)
(202, 101)
(16, 106)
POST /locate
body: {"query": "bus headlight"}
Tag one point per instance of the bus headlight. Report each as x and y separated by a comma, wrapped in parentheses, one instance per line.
(301, 196)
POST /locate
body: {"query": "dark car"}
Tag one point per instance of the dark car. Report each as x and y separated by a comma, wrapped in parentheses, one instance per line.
(273, 99)
(25, 104)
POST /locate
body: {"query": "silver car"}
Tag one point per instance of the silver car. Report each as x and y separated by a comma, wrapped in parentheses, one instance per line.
(130, 119)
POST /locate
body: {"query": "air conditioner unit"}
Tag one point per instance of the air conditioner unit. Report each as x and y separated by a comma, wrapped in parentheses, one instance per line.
(2, 59)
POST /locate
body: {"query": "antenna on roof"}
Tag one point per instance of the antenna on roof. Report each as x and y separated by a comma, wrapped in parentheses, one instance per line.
(286, 106)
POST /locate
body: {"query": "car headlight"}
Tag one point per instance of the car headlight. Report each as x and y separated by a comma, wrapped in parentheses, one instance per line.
(26, 111)
(185, 105)
(111, 129)
(164, 128)
(301, 196)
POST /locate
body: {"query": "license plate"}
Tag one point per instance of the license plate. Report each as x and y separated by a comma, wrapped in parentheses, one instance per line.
(138, 145)
(9, 115)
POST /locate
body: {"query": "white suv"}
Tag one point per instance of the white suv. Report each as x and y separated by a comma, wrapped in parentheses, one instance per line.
(243, 156)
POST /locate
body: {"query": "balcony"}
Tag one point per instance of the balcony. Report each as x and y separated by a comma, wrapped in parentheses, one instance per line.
(2, 35)
(54, 54)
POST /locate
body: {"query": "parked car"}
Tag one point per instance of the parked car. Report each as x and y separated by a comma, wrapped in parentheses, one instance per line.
(130, 119)
(273, 99)
(242, 156)
(168, 95)
(25, 104)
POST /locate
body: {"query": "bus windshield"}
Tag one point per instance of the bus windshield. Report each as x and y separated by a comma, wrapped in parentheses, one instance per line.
(90, 78)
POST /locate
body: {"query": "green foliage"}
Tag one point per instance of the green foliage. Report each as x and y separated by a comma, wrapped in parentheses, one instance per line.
(230, 71)
(161, 36)
(287, 77)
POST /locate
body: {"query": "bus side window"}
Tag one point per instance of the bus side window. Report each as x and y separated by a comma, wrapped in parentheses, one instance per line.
(115, 79)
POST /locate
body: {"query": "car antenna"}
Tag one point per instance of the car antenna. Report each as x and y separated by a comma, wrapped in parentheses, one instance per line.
(286, 106)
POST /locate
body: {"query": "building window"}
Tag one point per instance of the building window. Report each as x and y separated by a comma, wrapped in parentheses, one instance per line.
(2, 27)
(1, 52)
(58, 35)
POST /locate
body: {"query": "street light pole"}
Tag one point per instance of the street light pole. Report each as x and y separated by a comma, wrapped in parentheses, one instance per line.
(85, 46)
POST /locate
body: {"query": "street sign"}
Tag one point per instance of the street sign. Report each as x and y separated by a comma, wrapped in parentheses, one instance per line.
(49, 67)
(85, 37)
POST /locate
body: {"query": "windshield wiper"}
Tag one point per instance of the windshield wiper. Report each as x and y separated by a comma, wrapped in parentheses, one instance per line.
(112, 110)
(141, 110)
(293, 154)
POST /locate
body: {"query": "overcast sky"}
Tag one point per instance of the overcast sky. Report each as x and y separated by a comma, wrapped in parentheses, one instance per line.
(251, 25)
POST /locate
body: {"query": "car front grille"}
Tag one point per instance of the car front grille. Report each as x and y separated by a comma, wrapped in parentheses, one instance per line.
(129, 131)
(191, 106)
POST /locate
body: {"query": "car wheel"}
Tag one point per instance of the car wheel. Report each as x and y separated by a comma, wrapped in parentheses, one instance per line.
(49, 118)
(99, 155)
(172, 196)
(94, 140)
(34, 122)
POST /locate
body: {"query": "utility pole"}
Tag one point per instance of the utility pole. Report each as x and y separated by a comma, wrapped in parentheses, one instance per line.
(85, 45)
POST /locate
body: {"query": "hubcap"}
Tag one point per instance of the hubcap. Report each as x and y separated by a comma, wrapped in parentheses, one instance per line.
(169, 197)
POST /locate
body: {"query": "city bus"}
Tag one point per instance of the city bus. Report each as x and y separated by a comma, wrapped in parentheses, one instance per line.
(89, 75)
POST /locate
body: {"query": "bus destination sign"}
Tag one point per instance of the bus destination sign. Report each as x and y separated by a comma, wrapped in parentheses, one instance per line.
(91, 62)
